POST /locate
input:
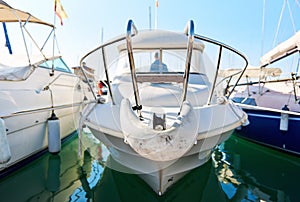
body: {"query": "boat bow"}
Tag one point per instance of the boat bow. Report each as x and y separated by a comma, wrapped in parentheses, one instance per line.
(159, 145)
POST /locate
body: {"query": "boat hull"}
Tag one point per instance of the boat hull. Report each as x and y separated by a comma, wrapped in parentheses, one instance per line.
(264, 128)
(213, 125)
(32, 136)
(26, 107)
(159, 175)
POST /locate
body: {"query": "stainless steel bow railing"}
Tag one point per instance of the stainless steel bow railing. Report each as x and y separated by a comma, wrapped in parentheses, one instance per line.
(189, 30)
(131, 27)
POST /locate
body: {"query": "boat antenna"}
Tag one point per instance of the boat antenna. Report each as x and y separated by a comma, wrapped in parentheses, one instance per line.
(156, 8)
(53, 45)
(60, 12)
(102, 35)
(150, 17)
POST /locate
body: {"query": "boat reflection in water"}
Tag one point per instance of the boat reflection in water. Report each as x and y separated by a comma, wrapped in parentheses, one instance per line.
(247, 171)
(239, 170)
(197, 185)
(53, 177)
(117, 182)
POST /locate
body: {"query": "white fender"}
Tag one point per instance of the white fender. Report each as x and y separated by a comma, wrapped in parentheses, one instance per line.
(54, 142)
(155, 145)
(284, 119)
(5, 154)
(284, 122)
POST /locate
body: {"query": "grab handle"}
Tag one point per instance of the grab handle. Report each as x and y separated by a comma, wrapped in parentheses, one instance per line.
(189, 30)
(131, 27)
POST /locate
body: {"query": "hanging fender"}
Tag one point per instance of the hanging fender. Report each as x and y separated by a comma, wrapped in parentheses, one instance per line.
(5, 154)
(54, 144)
(284, 119)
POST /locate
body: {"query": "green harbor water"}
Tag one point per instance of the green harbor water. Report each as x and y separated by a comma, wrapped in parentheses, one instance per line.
(238, 171)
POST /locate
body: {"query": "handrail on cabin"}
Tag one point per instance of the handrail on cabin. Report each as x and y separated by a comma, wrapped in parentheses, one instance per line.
(131, 27)
(222, 46)
(189, 30)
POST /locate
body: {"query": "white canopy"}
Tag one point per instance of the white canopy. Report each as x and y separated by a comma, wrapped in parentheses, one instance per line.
(9, 14)
(154, 39)
(282, 49)
(253, 72)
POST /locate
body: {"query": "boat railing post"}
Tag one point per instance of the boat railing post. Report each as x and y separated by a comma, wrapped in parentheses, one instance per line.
(131, 27)
(293, 75)
(216, 75)
(189, 30)
(87, 80)
(107, 76)
(227, 85)
(203, 38)
(248, 87)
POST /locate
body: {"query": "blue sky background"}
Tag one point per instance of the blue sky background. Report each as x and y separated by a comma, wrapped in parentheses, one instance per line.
(235, 22)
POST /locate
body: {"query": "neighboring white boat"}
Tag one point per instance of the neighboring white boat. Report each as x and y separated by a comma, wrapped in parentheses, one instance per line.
(271, 98)
(162, 122)
(40, 100)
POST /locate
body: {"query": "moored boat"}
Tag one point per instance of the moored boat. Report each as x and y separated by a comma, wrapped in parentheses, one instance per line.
(40, 97)
(163, 119)
(271, 99)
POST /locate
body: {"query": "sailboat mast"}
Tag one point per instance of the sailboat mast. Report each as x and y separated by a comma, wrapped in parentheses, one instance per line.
(263, 28)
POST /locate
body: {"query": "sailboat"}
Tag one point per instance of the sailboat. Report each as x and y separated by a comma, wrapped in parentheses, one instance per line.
(270, 94)
(161, 122)
(271, 100)
(40, 97)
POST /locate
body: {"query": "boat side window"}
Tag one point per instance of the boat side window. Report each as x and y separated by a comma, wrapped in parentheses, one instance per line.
(59, 65)
(244, 100)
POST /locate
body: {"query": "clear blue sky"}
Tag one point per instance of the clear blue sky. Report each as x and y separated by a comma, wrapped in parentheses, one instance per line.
(235, 22)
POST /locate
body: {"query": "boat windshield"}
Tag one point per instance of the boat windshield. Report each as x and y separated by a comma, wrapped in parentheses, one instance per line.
(59, 65)
(159, 62)
(21, 73)
(156, 52)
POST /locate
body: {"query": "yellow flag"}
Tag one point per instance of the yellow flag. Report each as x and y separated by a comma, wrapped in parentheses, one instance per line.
(59, 10)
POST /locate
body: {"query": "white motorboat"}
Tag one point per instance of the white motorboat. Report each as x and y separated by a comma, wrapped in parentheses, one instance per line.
(161, 122)
(40, 99)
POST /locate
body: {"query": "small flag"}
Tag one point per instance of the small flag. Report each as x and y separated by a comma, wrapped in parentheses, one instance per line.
(59, 10)
(156, 3)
